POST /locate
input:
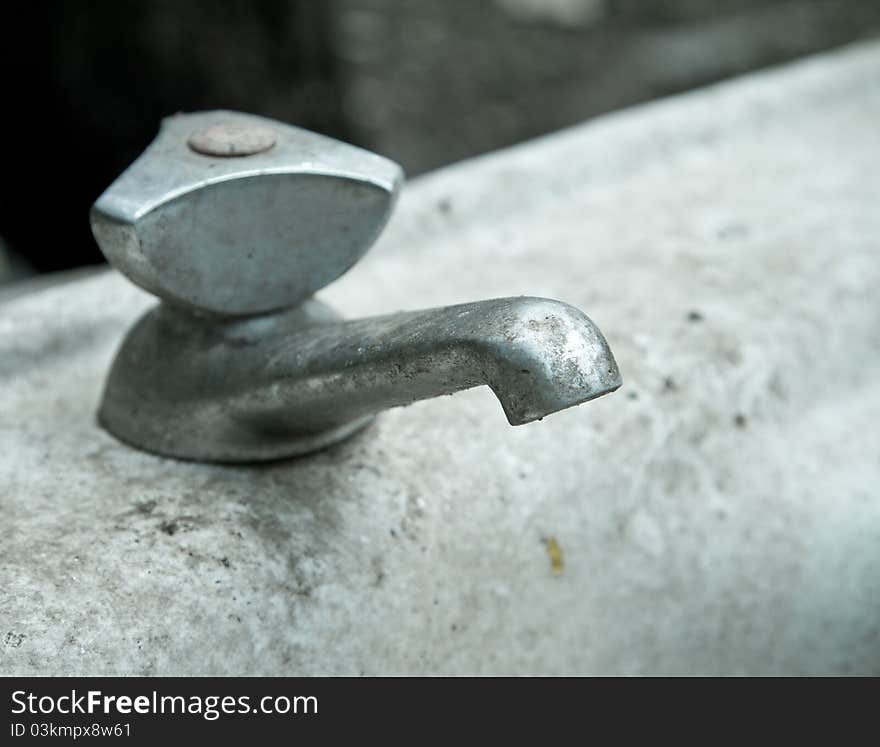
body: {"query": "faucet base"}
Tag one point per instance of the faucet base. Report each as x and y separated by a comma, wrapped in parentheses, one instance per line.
(185, 387)
(194, 451)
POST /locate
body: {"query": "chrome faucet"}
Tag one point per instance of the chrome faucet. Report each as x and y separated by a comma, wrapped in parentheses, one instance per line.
(235, 221)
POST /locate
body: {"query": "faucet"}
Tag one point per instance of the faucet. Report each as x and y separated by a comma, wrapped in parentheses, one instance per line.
(234, 221)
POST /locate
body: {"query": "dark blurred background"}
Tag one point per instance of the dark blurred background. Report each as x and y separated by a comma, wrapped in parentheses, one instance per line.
(426, 82)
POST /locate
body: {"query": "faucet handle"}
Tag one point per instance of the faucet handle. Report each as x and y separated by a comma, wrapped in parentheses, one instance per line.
(235, 214)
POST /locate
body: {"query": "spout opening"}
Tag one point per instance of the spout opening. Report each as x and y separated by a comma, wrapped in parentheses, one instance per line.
(549, 357)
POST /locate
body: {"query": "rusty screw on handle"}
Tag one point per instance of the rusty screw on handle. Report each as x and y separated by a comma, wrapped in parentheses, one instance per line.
(231, 139)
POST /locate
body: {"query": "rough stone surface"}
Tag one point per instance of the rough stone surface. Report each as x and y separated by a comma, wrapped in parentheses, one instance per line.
(719, 514)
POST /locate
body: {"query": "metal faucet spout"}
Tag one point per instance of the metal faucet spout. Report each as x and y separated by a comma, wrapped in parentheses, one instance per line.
(538, 356)
(285, 384)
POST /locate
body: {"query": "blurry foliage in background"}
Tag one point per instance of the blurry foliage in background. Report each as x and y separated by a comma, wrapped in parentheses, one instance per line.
(425, 82)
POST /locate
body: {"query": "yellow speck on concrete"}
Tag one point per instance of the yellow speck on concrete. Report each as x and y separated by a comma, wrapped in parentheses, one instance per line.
(555, 553)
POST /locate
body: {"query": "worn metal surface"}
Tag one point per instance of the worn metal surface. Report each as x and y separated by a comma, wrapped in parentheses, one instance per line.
(719, 515)
(197, 385)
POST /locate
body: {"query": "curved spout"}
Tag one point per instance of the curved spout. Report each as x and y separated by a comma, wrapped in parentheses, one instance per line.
(284, 384)
(538, 356)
